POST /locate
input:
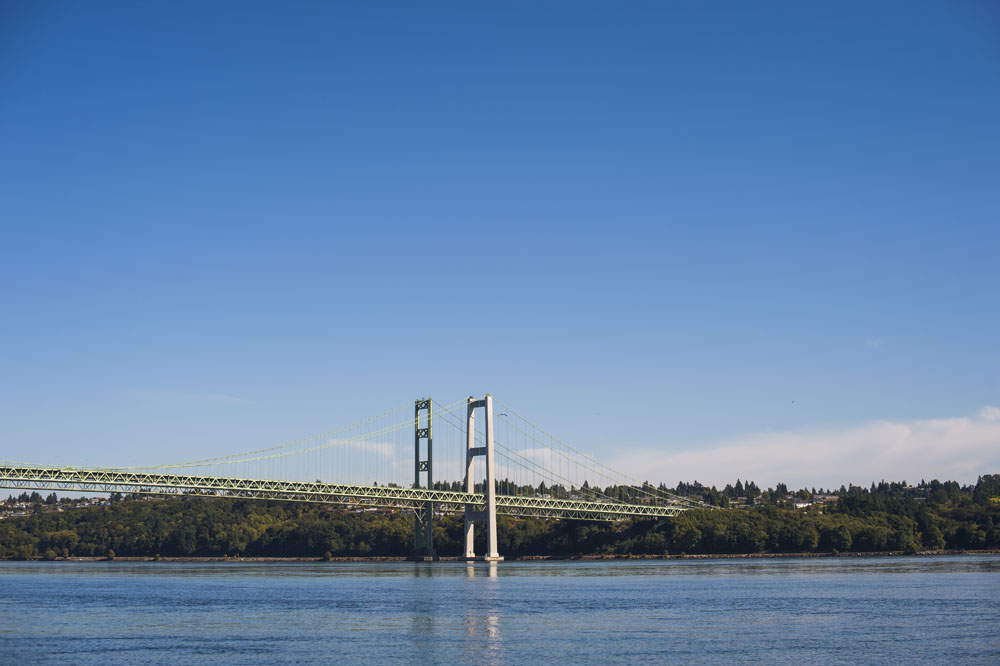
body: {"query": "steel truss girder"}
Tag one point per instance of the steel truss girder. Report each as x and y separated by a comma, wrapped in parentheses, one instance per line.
(112, 480)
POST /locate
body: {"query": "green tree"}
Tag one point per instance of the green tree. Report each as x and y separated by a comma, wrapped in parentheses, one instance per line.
(932, 537)
(987, 488)
(836, 539)
(687, 539)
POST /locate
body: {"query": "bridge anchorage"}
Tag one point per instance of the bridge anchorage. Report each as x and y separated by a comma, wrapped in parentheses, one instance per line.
(378, 447)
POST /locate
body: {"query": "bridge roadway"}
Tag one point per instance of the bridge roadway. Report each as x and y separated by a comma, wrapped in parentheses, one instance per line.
(111, 480)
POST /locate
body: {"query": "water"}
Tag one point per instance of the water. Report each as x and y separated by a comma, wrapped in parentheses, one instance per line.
(782, 611)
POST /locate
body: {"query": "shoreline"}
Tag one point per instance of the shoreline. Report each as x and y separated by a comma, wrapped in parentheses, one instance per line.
(524, 558)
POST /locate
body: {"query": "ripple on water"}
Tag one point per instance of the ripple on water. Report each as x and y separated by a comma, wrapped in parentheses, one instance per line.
(830, 610)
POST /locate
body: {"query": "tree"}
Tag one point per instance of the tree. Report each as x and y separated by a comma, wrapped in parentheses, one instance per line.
(836, 539)
(873, 538)
(932, 537)
(687, 539)
(987, 488)
(892, 518)
(968, 536)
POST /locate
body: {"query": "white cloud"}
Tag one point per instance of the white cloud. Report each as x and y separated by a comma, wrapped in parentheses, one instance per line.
(990, 413)
(957, 449)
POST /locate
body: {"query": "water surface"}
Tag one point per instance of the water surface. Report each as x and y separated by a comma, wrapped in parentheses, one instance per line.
(778, 611)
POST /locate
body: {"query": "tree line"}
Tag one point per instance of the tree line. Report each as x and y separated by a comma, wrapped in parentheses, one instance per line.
(884, 517)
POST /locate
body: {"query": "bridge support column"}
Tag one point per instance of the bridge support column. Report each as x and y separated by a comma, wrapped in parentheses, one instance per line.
(423, 518)
(489, 512)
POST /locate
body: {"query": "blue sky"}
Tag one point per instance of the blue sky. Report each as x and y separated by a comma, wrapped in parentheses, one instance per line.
(651, 227)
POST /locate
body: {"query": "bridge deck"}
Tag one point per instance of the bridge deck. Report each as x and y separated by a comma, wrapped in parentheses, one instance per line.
(111, 480)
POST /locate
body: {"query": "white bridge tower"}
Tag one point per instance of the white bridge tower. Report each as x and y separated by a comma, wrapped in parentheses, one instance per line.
(489, 512)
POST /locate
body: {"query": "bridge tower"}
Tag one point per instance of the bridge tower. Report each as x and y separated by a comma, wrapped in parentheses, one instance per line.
(473, 513)
(423, 518)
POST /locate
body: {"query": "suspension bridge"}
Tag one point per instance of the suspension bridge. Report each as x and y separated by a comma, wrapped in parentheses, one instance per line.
(423, 457)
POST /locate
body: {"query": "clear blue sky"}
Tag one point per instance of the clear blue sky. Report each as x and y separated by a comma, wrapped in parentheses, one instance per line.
(644, 224)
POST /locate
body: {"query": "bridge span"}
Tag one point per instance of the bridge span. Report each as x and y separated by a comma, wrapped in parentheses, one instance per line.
(579, 501)
(343, 495)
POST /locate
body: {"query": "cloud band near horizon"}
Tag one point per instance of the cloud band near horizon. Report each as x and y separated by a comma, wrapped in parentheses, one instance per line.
(959, 449)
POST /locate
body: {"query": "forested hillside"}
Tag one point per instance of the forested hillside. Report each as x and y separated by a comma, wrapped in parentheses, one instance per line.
(884, 517)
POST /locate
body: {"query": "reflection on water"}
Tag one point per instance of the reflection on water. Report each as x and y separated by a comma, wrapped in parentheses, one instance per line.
(831, 610)
(483, 630)
(492, 570)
